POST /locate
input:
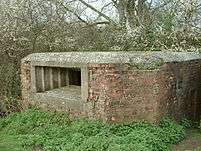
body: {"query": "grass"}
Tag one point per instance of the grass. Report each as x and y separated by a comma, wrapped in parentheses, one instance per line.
(192, 141)
(55, 132)
(11, 143)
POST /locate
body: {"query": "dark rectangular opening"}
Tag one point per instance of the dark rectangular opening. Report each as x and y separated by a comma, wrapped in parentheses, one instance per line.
(74, 77)
(49, 78)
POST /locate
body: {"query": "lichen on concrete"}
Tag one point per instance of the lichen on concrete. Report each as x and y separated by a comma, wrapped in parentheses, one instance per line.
(146, 63)
(109, 57)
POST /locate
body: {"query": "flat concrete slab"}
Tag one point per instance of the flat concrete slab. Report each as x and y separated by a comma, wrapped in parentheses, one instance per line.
(110, 57)
(68, 97)
(71, 92)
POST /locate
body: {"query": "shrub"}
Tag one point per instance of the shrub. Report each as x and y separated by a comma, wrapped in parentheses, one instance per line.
(186, 123)
(172, 131)
(9, 105)
(55, 132)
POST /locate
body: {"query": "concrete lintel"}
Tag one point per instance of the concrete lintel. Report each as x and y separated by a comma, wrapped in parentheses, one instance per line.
(58, 64)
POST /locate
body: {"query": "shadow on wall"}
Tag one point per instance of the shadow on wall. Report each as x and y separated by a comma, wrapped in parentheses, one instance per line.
(186, 89)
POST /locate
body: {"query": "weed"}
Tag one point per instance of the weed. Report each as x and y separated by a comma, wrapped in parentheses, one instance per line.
(9, 105)
(186, 123)
(55, 132)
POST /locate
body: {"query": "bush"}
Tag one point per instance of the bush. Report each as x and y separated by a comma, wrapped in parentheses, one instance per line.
(186, 123)
(9, 105)
(55, 132)
(172, 131)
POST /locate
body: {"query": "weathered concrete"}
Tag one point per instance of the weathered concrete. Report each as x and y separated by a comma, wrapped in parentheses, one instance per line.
(115, 86)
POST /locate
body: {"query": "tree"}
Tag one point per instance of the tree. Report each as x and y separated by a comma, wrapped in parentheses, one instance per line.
(28, 26)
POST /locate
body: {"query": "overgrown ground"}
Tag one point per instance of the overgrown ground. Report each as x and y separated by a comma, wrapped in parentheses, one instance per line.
(192, 142)
(36, 130)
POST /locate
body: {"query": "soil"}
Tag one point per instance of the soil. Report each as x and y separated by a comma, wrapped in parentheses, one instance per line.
(192, 142)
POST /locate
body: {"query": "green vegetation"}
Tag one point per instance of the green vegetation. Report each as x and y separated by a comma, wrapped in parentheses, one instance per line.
(200, 126)
(9, 105)
(186, 123)
(55, 132)
(199, 149)
(192, 142)
(11, 143)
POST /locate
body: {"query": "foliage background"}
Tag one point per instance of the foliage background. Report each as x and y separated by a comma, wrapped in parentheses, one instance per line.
(29, 26)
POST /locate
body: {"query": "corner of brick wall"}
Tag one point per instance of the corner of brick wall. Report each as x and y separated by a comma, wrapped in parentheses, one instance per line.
(180, 90)
(25, 83)
(120, 94)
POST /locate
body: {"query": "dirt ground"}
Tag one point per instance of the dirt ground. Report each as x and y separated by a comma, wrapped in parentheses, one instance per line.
(191, 143)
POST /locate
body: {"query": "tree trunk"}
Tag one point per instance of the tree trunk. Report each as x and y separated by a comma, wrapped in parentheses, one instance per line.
(133, 13)
(121, 7)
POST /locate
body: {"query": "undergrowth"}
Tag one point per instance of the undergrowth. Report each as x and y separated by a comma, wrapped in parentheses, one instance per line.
(55, 132)
(9, 105)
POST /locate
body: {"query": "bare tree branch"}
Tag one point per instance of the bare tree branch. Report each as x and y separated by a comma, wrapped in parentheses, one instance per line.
(97, 23)
(150, 4)
(115, 3)
(105, 6)
(69, 9)
(78, 16)
(97, 11)
(161, 6)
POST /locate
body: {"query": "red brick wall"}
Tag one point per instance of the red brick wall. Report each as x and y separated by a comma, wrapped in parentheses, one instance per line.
(127, 94)
(180, 90)
(118, 92)
(121, 93)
